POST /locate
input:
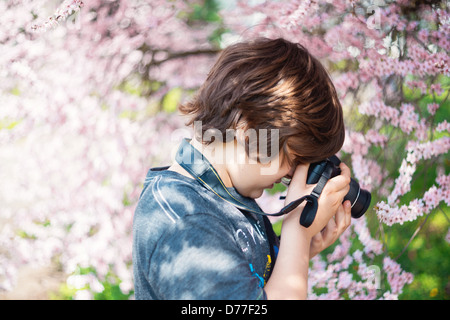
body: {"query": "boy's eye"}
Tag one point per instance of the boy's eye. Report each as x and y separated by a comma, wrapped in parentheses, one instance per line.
(285, 181)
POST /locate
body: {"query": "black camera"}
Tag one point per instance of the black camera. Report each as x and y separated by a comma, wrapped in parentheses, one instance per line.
(321, 172)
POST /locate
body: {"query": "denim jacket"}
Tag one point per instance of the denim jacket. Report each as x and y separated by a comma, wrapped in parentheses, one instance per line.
(188, 243)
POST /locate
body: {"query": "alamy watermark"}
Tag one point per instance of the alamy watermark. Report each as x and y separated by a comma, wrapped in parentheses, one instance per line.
(373, 11)
(374, 21)
(373, 277)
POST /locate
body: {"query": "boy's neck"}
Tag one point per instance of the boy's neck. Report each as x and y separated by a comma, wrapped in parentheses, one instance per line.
(217, 154)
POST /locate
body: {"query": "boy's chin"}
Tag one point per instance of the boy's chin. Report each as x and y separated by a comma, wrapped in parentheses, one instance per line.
(256, 193)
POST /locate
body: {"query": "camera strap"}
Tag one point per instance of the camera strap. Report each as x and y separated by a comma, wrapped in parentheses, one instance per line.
(198, 166)
(310, 210)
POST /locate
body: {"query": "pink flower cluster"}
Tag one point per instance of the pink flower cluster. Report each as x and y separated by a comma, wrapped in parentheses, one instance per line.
(443, 126)
(390, 213)
(366, 171)
(427, 150)
(432, 108)
(345, 82)
(403, 182)
(337, 274)
(380, 110)
(409, 121)
(406, 119)
(396, 277)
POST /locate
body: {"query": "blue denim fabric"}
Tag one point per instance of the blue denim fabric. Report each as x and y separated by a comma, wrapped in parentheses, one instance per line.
(188, 243)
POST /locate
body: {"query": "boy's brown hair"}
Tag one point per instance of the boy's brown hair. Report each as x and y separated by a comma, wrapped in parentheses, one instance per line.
(272, 84)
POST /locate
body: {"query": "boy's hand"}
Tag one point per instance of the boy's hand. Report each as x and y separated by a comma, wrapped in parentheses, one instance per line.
(332, 231)
(298, 244)
(324, 230)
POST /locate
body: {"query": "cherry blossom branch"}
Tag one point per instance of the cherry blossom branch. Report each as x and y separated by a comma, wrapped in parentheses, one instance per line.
(178, 55)
(66, 9)
(412, 237)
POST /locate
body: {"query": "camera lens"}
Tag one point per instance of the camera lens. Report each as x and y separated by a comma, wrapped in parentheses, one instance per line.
(359, 198)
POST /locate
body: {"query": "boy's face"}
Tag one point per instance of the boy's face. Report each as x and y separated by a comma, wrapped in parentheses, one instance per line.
(250, 179)
(248, 176)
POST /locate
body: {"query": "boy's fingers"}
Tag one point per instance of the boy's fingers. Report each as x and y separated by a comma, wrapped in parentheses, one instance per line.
(343, 216)
(340, 217)
(348, 213)
(341, 183)
(345, 171)
(330, 232)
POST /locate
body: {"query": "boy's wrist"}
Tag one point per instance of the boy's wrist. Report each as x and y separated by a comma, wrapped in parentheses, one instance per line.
(296, 234)
(291, 225)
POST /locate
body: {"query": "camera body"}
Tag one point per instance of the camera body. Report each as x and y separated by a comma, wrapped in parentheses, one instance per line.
(329, 168)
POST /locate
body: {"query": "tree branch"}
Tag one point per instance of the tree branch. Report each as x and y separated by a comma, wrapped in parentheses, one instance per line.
(176, 55)
(412, 237)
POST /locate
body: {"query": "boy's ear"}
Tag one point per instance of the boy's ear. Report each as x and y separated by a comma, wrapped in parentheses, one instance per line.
(240, 136)
(243, 135)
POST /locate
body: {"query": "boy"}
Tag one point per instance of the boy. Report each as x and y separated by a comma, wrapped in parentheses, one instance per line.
(198, 232)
